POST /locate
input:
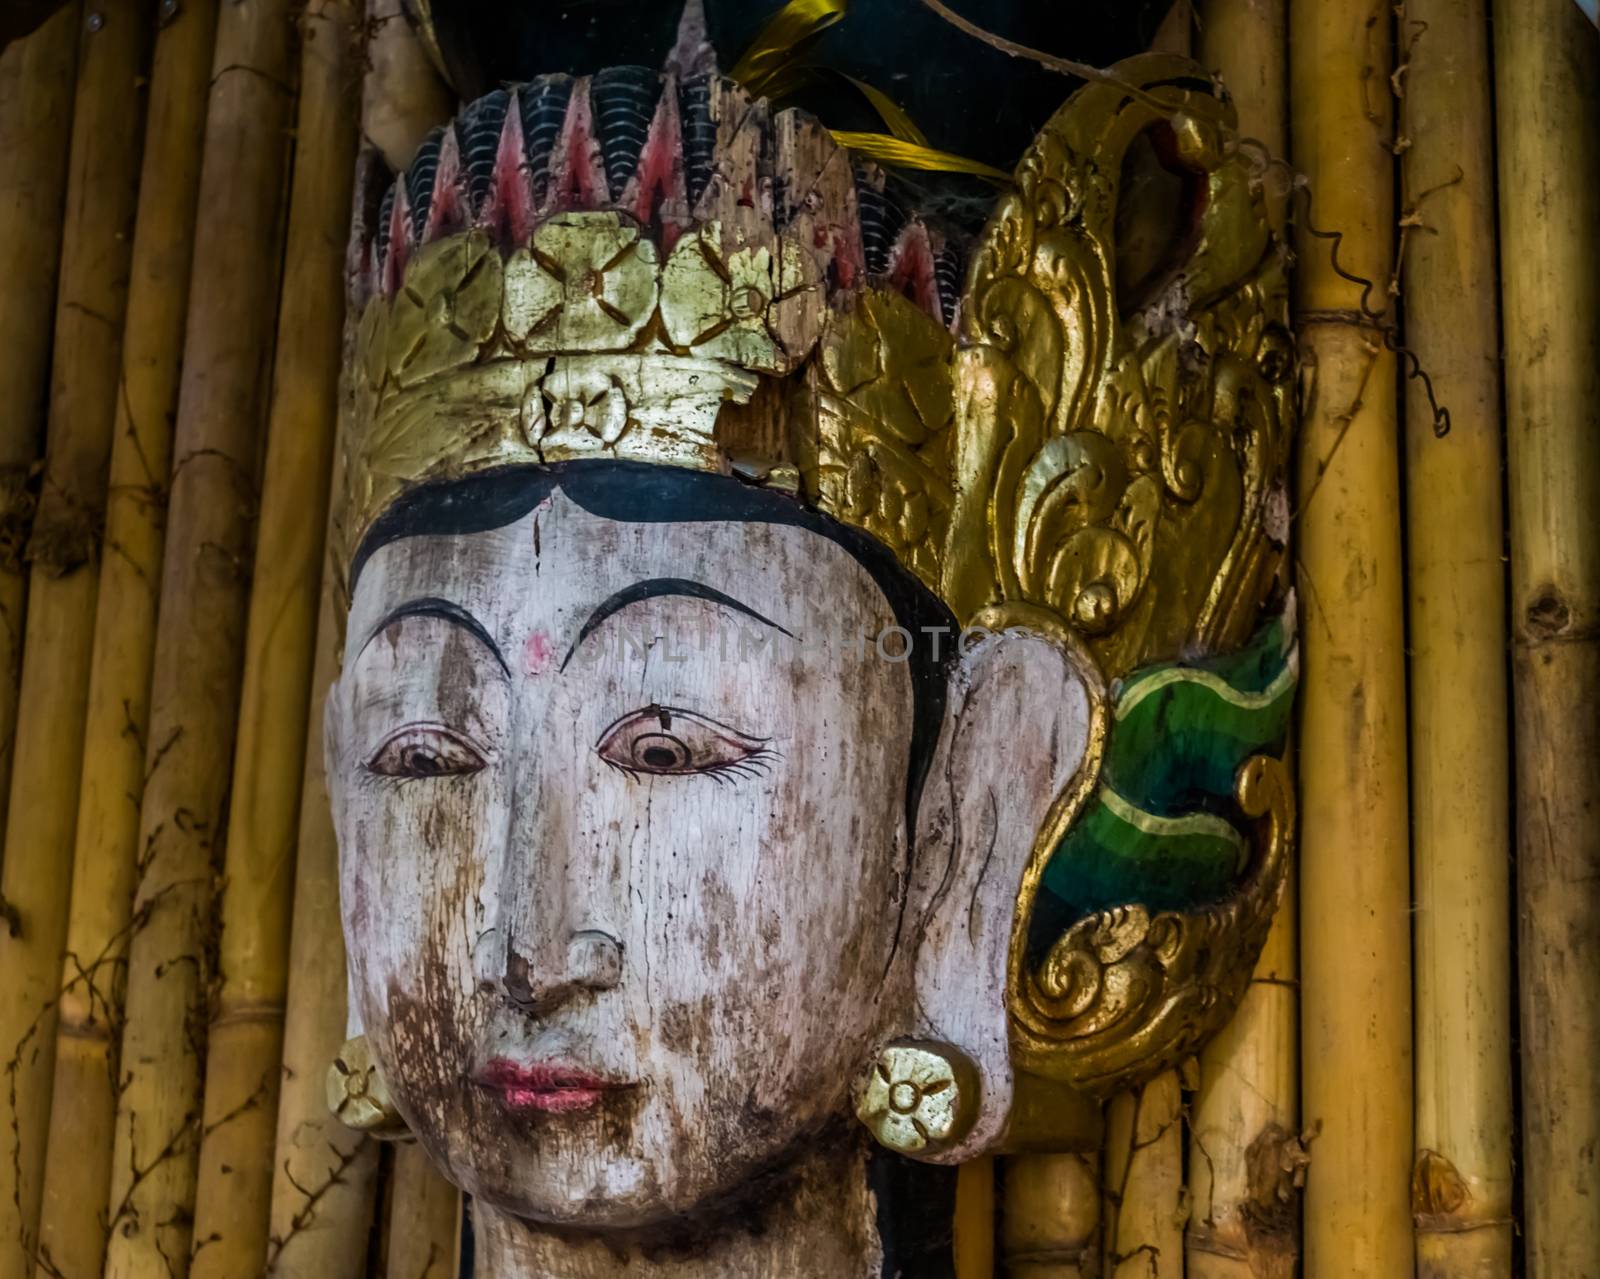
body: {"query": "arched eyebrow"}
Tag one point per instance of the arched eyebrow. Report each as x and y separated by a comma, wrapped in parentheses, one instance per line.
(652, 587)
(432, 606)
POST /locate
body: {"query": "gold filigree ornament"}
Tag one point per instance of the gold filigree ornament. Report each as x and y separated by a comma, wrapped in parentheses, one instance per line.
(580, 344)
(1095, 448)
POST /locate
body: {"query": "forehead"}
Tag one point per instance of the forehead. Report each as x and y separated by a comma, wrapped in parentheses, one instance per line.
(558, 555)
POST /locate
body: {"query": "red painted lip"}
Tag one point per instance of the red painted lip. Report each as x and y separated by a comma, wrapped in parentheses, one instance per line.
(546, 1087)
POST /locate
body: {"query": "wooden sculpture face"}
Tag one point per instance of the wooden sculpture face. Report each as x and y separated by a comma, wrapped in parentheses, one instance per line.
(622, 816)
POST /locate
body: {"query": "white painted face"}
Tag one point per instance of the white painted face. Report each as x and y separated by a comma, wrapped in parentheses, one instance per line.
(622, 824)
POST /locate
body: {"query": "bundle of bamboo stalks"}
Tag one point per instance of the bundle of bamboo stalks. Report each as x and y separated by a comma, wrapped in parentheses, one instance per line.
(96, 235)
(423, 1216)
(105, 857)
(401, 95)
(1144, 1212)
(323, 1189)
(1050, 1223)
(199, 642)
(245, 1046)
(324, 1174)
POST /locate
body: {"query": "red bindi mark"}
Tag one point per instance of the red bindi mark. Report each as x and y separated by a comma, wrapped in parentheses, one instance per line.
(537, 653)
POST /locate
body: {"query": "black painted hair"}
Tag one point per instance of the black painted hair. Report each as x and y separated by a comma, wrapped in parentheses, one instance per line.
(641, 493)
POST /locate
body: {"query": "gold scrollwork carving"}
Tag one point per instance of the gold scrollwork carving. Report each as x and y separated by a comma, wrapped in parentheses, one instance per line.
(1111, 462)
(1126, 993)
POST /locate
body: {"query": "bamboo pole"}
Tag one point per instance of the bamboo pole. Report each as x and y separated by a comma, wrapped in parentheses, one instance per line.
(199, 640)
(1245, 42)
(324, 1175)
(974, 1225)
(245, 1049)
(1354, 890)
(1051, 1218)
(324, 1181)
(78, 1160)
(102, 185)
(402, 96)
(1176, 32)
(1547, 77)
(1245, 1159)
(1145, 1210)
(37, 75)
(1461, 833)
(424, 1212)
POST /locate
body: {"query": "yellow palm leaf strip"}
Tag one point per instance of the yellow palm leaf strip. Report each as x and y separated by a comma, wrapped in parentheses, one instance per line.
(894, 115)
(781, 42)
(899, 154)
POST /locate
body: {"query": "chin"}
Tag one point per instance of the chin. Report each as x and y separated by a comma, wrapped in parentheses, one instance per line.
(585, 1183)
(599, 1192)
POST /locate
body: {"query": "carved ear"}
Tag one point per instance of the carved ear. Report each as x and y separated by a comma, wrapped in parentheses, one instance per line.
(1016, 732)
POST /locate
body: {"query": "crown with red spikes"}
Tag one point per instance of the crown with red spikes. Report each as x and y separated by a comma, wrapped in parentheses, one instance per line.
(667, 155)
(606, 266)
(660, 267)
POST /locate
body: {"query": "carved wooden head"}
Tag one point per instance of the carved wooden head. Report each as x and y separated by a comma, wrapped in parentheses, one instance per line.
(777, 684)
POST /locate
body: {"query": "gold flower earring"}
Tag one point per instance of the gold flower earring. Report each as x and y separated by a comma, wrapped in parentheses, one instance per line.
(918, 1097)
(359, 1098)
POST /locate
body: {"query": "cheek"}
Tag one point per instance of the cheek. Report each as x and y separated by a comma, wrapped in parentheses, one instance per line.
(796, 912)
(418, 862)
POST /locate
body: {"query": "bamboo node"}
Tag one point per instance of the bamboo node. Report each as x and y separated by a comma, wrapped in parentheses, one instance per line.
(1437, 1189)
(1277, 1161)
(1549, 616)
(62, 542)
(17, 506)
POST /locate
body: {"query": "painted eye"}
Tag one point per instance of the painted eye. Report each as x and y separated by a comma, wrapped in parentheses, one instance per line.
(424, 750)
(669, 741)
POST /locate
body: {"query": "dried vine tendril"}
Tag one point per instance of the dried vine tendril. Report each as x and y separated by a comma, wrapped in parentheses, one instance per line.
(1299, 191)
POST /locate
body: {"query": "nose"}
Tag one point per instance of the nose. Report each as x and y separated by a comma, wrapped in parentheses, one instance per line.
(593, 962)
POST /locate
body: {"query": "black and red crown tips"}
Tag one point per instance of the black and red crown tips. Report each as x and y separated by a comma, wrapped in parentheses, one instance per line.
(667, 155)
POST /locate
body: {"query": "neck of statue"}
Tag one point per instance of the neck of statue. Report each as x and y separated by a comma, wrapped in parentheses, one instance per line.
(819, 1225)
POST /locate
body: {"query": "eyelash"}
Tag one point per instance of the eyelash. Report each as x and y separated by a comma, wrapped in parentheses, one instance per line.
(757, 764)
(452, 742)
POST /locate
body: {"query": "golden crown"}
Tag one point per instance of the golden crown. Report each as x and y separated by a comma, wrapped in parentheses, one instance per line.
(1095, 425)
